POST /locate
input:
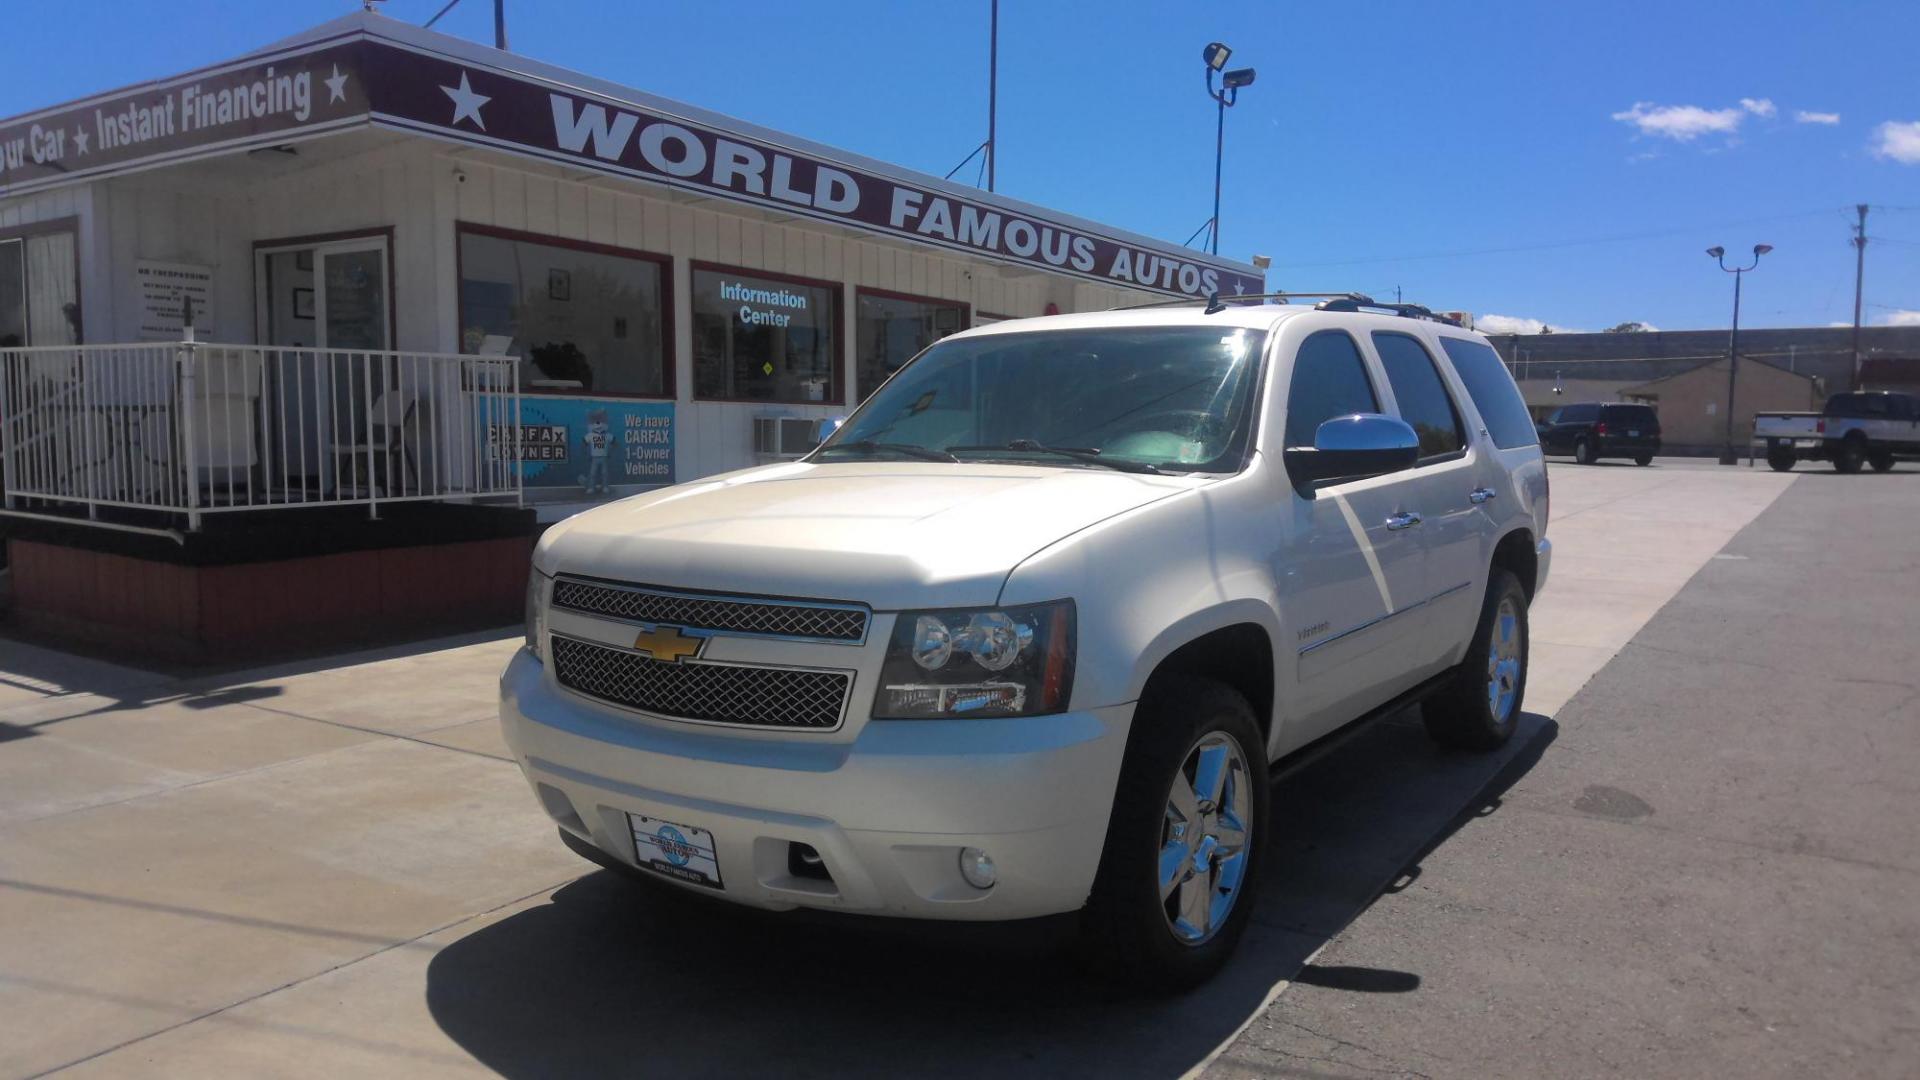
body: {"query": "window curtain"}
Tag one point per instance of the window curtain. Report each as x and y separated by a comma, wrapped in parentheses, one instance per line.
(53, 303)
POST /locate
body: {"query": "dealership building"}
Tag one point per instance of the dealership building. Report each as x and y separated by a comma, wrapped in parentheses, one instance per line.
(355, 288)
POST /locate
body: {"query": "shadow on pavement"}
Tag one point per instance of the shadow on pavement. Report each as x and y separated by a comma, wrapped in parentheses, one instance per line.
(614, 977)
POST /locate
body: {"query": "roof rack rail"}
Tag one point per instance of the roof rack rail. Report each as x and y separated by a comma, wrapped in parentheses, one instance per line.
(1357, 302)
(1216, 302)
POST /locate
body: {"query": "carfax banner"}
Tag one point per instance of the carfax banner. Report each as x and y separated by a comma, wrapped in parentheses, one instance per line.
(594, 444)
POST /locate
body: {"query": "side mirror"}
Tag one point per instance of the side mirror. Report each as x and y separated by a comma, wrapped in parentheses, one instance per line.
(1353, 448)
(824, 429)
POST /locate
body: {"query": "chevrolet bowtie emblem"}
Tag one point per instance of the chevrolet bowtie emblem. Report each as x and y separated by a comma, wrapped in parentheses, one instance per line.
(669, 644)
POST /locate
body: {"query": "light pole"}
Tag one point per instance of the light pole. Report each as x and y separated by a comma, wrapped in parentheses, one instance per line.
(1727, 456)
(1215, 56)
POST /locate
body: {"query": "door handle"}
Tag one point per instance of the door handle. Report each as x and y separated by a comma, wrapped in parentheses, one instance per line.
(1480, 495)
(1404, 520)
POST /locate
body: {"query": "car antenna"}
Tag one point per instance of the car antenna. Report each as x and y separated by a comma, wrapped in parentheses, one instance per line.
(1214, 306)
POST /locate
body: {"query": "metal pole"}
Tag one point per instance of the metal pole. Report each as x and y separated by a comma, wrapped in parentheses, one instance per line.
(188, 383)
(1727, 456)
(500, 25)
(1219, 148)
(993, 91)
(1859, 278)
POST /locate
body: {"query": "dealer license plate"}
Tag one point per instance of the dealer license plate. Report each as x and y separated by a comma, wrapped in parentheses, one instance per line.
(1633, 433)
(679, 851)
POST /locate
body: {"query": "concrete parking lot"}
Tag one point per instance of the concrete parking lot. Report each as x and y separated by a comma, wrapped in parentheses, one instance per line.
(1693, 859)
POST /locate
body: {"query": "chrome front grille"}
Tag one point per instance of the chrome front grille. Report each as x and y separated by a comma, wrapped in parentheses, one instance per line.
(773, 697)
(804, 620)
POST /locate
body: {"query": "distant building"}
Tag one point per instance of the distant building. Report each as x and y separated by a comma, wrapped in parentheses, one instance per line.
(1692, 403)
(1684, 372)
(1900, 373)
(1825, 352)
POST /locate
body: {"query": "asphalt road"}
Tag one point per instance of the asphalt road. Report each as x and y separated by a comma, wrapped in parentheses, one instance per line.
(1705, 866)
(330, 868)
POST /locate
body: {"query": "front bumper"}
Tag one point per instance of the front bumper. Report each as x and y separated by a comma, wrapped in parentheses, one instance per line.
(888, 812)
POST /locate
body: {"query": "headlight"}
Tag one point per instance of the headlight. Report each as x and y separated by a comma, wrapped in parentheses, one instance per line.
(995, 662)
(539, 588)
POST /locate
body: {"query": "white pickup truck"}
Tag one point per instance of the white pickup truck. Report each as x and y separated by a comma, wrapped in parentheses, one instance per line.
(1854, 429)
(1030, 632)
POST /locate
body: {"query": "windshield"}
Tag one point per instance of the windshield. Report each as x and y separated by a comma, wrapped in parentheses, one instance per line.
(1177, 399)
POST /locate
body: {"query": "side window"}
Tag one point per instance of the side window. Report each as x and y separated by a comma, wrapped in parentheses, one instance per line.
(1329, 380)
(1493, 392)
(1581, 414)
(1424, 403)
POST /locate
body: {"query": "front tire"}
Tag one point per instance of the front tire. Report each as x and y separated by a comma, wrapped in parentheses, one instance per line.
(1881, 460)
(1479, 706)
(1643, 460)
(1849, 455)
(1583, 453)
(1780, 460)
(1175, 886)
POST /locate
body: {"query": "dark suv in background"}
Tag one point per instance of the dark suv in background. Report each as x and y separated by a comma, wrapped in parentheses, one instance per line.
(1595, 430)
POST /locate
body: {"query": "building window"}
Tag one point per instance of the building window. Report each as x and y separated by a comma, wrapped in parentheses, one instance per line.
(760, 338)
(583, 318)
(891, 329)
(39, 290)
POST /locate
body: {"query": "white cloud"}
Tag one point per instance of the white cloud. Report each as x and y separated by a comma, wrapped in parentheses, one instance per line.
(1900, 317)
(1899, 140)
(1760, 107)
(1682, 123)
(1516, 324)
(1802, 116)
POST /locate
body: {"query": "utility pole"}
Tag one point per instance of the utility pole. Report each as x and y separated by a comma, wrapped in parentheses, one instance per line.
(993, 90)
(1859, 279)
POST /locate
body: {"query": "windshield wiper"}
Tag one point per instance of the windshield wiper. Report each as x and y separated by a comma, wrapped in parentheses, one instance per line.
(1088, 454)
(870, 447)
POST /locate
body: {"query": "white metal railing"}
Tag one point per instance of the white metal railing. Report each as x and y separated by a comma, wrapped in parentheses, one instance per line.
(198, 428)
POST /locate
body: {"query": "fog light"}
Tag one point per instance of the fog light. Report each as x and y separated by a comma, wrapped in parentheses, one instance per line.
(977, 867)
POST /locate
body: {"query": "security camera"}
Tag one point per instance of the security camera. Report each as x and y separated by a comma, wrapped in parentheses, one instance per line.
(459, 176)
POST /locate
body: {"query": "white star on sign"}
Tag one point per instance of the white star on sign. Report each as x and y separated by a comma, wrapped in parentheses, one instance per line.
(1239, 288)
(466, 103)
(80, 138)
(336, 86)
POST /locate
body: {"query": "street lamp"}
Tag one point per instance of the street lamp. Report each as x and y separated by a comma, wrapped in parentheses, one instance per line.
(1727, 456)
(1215, 55)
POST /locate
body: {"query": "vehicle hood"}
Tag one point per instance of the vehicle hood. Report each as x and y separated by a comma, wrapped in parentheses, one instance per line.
(891, 535)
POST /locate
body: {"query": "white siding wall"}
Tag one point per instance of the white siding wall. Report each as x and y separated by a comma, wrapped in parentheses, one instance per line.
(215, 212)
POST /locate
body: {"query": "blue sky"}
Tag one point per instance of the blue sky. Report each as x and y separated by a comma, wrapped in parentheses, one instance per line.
(1538, 161)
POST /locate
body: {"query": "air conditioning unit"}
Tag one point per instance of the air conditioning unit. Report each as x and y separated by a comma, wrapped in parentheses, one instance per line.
(783, 438)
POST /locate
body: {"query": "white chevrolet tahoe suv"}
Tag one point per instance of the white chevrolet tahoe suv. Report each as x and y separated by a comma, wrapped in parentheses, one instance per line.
(1030, 632)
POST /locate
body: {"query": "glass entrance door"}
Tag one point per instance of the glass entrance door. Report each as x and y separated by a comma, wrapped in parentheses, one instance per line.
(323, 305)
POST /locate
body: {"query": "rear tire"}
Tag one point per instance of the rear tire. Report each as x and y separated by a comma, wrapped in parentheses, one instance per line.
(1780, 460)
(1881, 460)
(1643, 460)
(1165, 828)
(1583, 452)
(1479, 706)
(1849, 455)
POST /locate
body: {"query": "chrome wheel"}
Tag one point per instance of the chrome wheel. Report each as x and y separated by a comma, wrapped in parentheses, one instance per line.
(1503, 661)
(1204, 838)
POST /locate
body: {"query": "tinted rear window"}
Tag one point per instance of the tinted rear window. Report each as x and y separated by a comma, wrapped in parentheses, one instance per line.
(1639, 417)
(1859, 405)
(1493, 393)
